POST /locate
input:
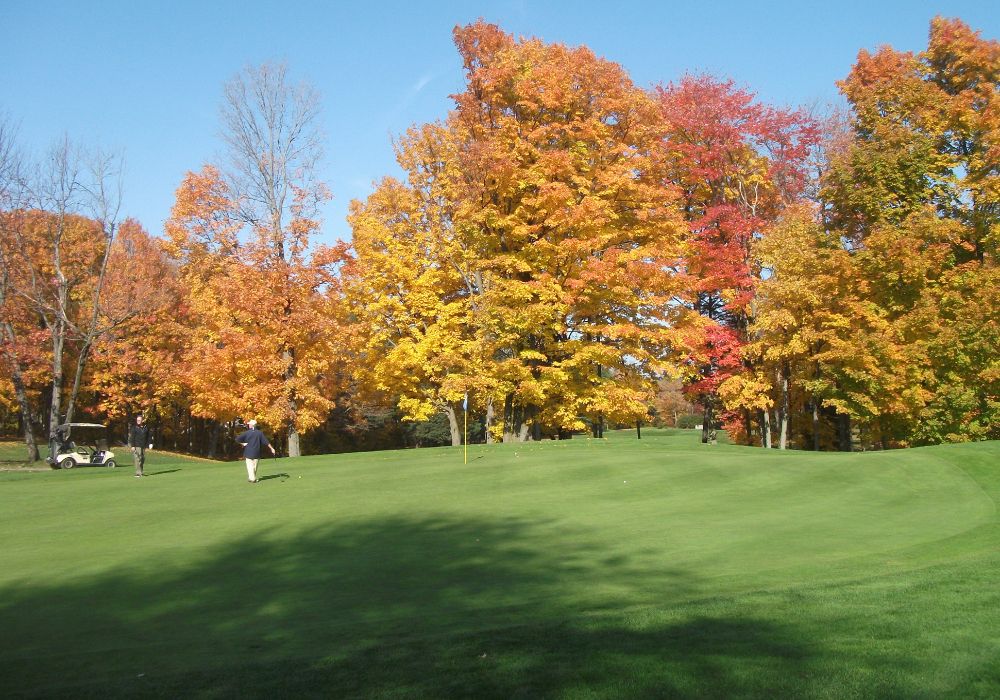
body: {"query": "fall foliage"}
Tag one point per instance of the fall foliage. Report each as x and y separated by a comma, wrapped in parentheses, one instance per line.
(530, 256)
(565, 248)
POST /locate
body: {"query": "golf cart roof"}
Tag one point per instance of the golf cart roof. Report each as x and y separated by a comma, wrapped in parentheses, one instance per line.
(80, 425)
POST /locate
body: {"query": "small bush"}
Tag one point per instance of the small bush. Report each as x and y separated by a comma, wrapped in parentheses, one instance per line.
(689, 420)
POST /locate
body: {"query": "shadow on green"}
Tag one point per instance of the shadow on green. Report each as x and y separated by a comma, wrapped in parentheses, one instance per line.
(397, 608)
(402, 609)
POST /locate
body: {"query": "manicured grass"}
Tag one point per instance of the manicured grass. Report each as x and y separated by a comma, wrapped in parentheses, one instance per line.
(580, 569)
(13, 453)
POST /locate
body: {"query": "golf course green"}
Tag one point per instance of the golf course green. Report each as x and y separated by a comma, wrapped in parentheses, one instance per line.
(617, 568)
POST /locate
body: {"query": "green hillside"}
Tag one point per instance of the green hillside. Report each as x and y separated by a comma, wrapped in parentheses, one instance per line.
(575, 569)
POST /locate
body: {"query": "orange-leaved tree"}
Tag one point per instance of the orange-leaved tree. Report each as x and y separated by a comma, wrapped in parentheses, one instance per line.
(915, 196)
(576, 230)
(261, 329)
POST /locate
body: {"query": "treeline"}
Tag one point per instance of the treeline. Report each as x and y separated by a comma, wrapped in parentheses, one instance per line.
(564, 248)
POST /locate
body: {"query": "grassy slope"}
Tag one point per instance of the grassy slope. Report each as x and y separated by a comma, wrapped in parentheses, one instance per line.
(660, 568)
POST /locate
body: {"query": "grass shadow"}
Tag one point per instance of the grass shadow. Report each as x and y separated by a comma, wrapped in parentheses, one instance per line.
(396, 608)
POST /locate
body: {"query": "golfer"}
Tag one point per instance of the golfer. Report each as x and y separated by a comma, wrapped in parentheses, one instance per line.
(253, 440)
(138, 439)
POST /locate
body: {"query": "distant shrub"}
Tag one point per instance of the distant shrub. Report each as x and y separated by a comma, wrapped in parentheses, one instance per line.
(435, 432)
(689, 420)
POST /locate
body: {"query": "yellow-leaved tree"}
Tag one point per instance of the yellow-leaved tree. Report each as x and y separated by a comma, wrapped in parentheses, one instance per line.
(530, 256)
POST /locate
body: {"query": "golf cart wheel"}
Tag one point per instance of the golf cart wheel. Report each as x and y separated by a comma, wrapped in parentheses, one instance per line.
(67, 464)
(110, 464)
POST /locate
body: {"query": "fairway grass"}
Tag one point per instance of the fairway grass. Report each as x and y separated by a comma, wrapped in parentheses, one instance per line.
(645, 568)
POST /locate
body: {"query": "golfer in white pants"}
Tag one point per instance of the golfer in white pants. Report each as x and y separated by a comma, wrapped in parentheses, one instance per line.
(253, 440)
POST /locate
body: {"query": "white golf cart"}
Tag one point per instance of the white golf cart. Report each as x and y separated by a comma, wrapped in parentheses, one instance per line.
(92, 449)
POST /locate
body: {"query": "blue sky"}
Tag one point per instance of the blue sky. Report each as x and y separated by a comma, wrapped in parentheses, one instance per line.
(147, 76)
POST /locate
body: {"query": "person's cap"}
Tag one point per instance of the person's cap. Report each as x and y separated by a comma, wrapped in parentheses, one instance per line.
(251, 422)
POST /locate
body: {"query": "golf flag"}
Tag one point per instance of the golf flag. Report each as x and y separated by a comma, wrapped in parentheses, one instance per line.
(465, 402)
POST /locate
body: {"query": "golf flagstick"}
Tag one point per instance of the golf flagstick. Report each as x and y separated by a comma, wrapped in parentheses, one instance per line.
(465, 410)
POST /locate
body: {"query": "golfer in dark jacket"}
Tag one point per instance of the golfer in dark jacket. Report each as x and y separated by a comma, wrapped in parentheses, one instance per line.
(138, 439)
(253, 440)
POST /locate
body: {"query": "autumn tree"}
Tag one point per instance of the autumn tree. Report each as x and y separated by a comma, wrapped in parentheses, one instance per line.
(916, 197)
(879, 307)
(737, 164)
(415, 286)
(15, 321)
(578, 237)
(274, 145)
(670, 402)
(59, 240)
(135, 367)
(816, 329)
(531, 254)
(245, 309)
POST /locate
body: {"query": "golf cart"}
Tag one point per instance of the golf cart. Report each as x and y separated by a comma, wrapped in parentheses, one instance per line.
(92, 449)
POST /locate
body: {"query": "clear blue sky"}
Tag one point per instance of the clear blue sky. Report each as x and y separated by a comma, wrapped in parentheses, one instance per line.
(146, 76)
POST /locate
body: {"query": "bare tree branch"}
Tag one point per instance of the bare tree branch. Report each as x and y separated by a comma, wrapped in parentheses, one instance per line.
(274, 145)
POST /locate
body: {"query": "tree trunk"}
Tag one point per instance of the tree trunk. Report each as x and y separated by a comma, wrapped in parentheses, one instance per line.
(598, 427)
(783, 377)
(708, 433)
(514, 427)
(294, 439)
(791, 435)
(456, 430)
(816, 410)
(844, 433)
(213, 441)
(58, 341)
(747, 427)
(599, 432)
(765, 429)
(638, 430)
(21, 394)
(22, 401)
(508, 418)
(490, 417)
(815, 424)
(293, 434)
